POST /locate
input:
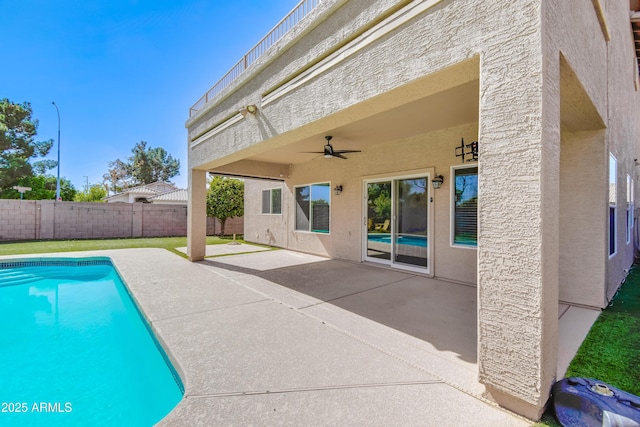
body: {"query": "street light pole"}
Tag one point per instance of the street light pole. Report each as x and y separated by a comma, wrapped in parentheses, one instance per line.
(58, 181)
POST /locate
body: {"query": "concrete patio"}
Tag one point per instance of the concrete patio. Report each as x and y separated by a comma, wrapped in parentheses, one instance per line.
(441, 314)
(279, 337)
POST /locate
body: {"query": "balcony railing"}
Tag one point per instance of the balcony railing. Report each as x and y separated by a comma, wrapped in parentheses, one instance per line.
(288, 22)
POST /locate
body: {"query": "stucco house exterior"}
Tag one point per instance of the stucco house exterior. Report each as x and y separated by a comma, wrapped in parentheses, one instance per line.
(145, 193)
(540, 96)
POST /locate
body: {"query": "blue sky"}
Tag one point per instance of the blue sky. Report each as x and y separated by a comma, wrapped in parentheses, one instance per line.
(122, 71)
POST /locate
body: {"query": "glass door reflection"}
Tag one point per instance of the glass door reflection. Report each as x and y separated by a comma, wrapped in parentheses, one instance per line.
(379, 220)
(410, 225)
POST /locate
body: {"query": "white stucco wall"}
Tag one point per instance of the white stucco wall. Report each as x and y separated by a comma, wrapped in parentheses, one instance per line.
(603, 70)
(121, 198)
(128, 197)
(583, 218)
(554, 99)
(624, 133)
(266, 229)
(517, 268)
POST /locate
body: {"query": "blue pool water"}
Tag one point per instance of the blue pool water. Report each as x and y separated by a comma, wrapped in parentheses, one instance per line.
(75, 351)
(401, 240)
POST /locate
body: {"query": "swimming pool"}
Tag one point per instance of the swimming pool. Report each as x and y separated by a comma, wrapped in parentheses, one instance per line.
(400, 240)
(75, 350)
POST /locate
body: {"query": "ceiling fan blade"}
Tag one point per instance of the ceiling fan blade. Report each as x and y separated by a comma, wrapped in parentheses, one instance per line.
(329, 151)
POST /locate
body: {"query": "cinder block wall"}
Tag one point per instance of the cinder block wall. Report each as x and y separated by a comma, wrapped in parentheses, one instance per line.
(47, 219)
(231, 226)
(90, 220)
(159, 220)
(18, 220)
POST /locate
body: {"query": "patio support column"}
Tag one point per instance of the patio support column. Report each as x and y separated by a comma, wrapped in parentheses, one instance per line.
(518, 208)
(197, 215)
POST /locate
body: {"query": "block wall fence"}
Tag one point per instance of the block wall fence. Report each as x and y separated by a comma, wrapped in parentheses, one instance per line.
(48, 219)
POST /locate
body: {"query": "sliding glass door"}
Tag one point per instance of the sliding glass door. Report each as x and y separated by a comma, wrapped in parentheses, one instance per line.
(397, 221)
(410, 242)
(378, 242)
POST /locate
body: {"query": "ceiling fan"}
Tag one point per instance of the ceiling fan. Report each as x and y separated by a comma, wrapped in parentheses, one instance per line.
(329, 152)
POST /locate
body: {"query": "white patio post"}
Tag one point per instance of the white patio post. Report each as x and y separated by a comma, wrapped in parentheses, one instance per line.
(518, 221)
(197, 215)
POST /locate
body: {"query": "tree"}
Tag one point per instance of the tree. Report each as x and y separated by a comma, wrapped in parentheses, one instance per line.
(379, 201)
(145, 166)
(95, 193)
(43, 187)
(149, 165)
(18, 146)
(225, 199)
(117, 177)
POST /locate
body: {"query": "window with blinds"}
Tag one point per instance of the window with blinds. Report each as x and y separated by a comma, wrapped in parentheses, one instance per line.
(613, 203)
(272, 201)
(313, 204)
(465, 206)
(266, 201)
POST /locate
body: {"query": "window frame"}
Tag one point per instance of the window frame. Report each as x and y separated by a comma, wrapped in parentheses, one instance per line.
(630, 208)
(452, 222)
(613, 205)
(310, 219)
(262, 200)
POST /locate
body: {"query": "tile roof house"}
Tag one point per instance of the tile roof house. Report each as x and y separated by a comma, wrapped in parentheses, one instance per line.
(497, 140)
(148, 193)
(175, 197)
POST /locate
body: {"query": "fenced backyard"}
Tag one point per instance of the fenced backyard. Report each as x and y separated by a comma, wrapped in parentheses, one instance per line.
(48, 219)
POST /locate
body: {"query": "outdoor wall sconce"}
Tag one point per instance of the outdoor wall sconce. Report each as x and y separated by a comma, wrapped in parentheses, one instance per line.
(337, 190)
(437, 181)
(249, 109)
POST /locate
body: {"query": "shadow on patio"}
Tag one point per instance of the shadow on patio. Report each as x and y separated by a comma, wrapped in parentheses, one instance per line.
(436, 319)
(435, 311)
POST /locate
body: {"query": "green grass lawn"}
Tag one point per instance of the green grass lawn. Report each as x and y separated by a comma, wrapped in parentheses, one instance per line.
(50, 246)
(611, 351)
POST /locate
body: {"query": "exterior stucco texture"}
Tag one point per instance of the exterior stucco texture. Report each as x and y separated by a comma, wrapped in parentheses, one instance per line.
(546, 88)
